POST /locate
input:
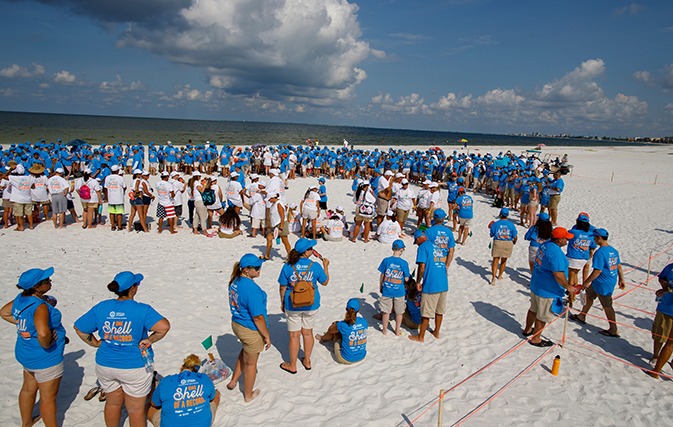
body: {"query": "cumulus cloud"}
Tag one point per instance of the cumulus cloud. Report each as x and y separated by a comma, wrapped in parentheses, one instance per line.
(16, 71)
(289, 50)
(187, 93)
(65, 78)
(573, 100)
(9, 92)
(664, 79)
(45, 85)
(631, 9)
(645, 77)
(119, 86)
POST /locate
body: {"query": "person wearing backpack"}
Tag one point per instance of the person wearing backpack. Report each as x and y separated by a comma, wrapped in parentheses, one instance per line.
(300, 299)
(89, 191)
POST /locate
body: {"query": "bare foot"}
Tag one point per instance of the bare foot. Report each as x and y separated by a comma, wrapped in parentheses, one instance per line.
(416, 338)
(384, 332)
(158, 231)
(255, 393)
(173, 232)
(18, 229)
(435, 334)
(653, 374)
(36, 420)
(493, 281)
(231, 385)
(318, 337)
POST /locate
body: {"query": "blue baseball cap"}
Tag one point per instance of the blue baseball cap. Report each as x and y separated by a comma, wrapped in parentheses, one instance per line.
(504, 212)
(34, 276)
(601, 232)
(417, 234)
(398, 244)
(544, 216)
(321, 179)
(303, 245)
(250, 260)
(439, 214)
(126, 279)
(583, 217)
(354, 304)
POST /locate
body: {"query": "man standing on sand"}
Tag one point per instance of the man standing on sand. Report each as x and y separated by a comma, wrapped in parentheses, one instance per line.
(555, 190)
(601, 282)
(113, 189)
(547, 285)
(165, 208)
(465, 214)
(504, 238)
(433, 282)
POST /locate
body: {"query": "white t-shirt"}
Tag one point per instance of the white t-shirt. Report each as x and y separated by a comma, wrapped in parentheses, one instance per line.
(276, 186)
(311, 201)
(57, 184)
(405, 199)
(6, 188)
(436, 199)
(388, 231)
(164, 189)
(381, 185)
(267, 158)
(115, 186)
(257, 206)
(21, 188)
(335, 227)
(230, 230)
(274, 215)
(424, 197)
(295, 224)
(93, 185)
(178, 188)
(40, 192)
(233, 190)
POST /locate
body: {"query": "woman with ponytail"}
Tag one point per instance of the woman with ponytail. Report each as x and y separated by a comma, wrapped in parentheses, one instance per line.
(349, 335)
(187, 398)
(247, 302)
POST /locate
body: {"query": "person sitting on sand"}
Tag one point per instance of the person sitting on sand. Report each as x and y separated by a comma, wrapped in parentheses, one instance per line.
(389, 230)
(230, 224)
(349, 335)
(333, 230)
(186, 398)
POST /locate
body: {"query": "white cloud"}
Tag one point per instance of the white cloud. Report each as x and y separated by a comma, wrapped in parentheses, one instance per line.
(632, 9)
(187, 93)
(412, 104)
(22, 72)
(645, 77)
(9, 92)
(664, 78)
(119, 86)
(45, 85)
(65, 78)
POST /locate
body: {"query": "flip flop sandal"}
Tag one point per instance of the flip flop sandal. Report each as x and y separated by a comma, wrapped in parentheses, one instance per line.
(287, 370)
(529, 333)
(102, 397)
(304, 365)
(607, 333)
(543, 343)
(575, 318)
(92, 393)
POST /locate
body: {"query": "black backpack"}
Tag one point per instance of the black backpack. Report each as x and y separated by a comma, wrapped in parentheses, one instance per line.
(208, 197)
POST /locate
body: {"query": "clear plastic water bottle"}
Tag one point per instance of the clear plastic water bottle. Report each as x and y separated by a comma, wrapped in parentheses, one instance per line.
(147, 358)
(583, 297)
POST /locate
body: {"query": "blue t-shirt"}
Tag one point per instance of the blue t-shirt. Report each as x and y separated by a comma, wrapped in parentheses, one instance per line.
(288, 278)
(557, 184)
(184, 400)
(606, 259)
(323, 190)
(121, 325)
(442, 236)
(395, 272)
(533, 237)
(666, 304)
(581, 244)
(414, 308)
(353, 339)
(465, 203)
(549, 259)
(503, 230)
(664, 273)
(28, 350)
(435, 278)
(246, 300)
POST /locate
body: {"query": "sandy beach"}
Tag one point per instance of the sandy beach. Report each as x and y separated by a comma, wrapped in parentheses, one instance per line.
(186, 278)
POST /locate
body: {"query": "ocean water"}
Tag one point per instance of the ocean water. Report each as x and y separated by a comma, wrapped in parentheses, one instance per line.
(21, 127)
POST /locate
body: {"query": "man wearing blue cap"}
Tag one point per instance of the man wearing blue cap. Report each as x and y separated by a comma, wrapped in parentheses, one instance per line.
(432, 281)
(607, 272)
(394, 274)
(442, 236)
(504, 238)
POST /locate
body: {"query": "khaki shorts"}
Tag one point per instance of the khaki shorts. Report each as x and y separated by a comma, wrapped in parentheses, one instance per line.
(606, 300)
(135, 382)
(309, 214)
(89, 205)
(502, 248)
(298, 320)
(465, 222)
(339, 357)
(285, 231)
(46, 374)
(433, 304)
(554, 201)
(542, 308)
(21, 209)
(252, 341)
(156, 419)
(382, 206)
(386, 305)
(534, 204)
(258, 223)
(359, 217)
(661, 328)
(401, 215)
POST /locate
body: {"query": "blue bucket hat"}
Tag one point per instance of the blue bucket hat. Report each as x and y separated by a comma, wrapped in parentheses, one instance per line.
(250, 260)
(303, 245)
(34, 276)
(126, 279)
(354, 304)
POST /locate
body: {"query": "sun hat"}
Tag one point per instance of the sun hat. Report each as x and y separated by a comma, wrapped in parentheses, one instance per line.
(233, 173)
(354, 304)
(254, 176)
(146, 173)
(126, 279)
(250, 260)
(398, 244)
(34, 276)
(137, 171)
(36, 168)
(389, 213)
(561, 233)
(339, 208)
(303, 245)
(601, 232)
(196, 173)
(175, 173)
(504, 212)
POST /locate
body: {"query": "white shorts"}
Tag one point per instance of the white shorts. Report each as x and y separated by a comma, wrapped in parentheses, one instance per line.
(576, 264)
(283, 176)
(258, 223)
(465, 222)
(309, 214)
(135, 382)
(532, 253)
(47, 374)
(298, 320)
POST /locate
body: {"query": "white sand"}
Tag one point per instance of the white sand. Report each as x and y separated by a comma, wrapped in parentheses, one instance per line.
(186, 278)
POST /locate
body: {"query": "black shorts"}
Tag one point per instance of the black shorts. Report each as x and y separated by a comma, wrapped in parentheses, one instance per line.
(178, 210)
(323, 205)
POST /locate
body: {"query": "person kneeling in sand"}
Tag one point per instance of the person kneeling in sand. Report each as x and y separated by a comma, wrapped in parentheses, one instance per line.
(349, 335)
(187, 398)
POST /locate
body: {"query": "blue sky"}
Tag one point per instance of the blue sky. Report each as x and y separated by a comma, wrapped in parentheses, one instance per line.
(590, 68)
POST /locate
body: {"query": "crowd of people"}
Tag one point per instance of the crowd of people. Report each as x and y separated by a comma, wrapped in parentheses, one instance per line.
(124, 330)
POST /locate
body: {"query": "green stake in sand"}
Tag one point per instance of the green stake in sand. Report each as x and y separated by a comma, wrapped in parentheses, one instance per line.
(362, 288)
(208, 342)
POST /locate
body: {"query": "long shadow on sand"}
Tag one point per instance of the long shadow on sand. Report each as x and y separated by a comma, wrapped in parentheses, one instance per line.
(498, 316)
(484, 272)
(70, 384)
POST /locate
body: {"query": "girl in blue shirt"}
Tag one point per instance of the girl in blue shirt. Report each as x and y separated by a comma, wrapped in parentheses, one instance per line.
(123, 325)
(537, 235)
(349, 335)
(39, 344)
(247, 302)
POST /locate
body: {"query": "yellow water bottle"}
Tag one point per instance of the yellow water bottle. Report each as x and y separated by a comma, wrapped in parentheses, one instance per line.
(556, 365)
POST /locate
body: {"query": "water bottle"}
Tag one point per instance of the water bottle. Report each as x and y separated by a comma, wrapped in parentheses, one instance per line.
(147, 358)
(583, 297)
